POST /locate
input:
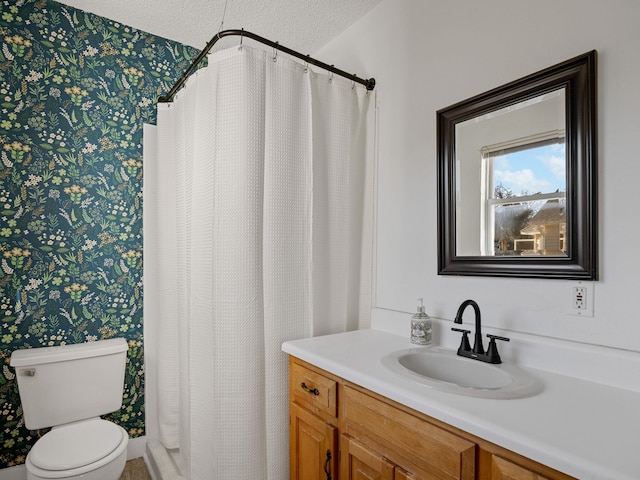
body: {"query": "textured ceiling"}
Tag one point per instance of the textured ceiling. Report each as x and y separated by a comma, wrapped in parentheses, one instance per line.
(303, 25)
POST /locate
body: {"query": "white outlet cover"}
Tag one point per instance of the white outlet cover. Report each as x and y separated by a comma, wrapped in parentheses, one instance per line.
(587, 310)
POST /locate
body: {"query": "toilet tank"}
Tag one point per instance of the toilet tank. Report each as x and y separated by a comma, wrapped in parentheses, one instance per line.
(68, 383)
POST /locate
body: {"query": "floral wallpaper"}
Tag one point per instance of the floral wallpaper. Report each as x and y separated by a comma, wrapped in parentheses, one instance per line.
(75, 90)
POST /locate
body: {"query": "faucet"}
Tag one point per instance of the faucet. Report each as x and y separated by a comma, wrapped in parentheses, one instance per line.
(477, 344)
(477, 353)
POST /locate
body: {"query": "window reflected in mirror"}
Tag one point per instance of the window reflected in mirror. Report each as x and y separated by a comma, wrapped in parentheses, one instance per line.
(512, 179)
(524, 202)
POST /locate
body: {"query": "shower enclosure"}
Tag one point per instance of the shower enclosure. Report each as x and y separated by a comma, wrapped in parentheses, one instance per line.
(257, 210)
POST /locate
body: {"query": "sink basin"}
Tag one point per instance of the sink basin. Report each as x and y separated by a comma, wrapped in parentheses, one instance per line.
(442, 369)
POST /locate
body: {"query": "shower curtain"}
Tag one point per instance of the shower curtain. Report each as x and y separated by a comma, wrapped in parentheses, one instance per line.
(263, 196)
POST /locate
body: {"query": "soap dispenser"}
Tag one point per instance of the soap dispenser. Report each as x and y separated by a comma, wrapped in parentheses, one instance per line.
(421, 326)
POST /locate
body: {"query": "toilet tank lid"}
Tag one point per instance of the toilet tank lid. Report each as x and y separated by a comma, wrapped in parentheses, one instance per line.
(38, 356)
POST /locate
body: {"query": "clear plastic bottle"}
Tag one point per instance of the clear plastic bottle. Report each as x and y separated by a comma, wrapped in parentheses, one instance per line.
(421, 326)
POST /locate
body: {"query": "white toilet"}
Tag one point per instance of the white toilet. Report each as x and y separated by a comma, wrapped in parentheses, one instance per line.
(68, 388)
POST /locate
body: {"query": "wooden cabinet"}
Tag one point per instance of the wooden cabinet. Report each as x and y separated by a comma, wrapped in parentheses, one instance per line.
(313, 428)
(407, 440)
(500, 464)
(313, 446)
(314, 391)
(502, 469)
(382, 440)
(357, 462)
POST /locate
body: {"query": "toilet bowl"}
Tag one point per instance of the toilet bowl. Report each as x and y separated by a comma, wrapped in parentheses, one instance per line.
(89, 450)
(68, 388)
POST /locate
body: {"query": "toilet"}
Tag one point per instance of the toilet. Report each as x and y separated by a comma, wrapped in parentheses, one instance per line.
(68, 388)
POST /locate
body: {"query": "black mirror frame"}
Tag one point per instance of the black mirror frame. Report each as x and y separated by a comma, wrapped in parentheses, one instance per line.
(578, 76)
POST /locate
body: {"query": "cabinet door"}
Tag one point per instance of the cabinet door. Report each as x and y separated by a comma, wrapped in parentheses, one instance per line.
(313, 446)
(502, 469)
(400, 474)
(360, 463)
(407, 440)
(501, 464)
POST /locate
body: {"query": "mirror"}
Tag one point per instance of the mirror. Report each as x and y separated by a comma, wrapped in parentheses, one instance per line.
(517, 177)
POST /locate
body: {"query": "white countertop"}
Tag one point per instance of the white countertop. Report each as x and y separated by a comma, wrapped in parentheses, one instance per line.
(584, 429)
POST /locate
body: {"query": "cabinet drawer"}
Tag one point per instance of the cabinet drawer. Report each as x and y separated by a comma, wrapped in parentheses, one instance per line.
(505, 465)
(407, 439)
(502, 469)
(313, 391)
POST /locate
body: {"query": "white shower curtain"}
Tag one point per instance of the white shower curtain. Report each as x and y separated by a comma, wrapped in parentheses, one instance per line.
(263, 195)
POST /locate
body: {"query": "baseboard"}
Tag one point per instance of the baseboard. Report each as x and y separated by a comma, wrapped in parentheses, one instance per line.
(136, 448)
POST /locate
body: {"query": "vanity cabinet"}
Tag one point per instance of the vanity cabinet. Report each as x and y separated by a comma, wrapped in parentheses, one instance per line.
(410, 442)
(314, 444)
(337, 427)
(313, 424)
(358, 462)
(496, 467)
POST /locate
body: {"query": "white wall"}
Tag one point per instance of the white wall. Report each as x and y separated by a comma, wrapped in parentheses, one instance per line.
(429, 54)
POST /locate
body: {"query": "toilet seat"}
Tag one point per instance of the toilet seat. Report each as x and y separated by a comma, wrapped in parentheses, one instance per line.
(76, 448)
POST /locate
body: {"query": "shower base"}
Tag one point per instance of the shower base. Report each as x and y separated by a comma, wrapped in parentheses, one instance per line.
(165, 464)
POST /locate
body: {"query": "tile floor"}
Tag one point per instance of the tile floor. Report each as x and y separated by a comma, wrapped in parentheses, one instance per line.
(135, 470)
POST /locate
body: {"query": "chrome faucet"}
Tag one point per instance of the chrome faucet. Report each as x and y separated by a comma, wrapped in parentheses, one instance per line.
(477, 352)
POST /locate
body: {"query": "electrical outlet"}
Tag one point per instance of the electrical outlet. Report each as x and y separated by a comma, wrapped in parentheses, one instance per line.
(581, 300)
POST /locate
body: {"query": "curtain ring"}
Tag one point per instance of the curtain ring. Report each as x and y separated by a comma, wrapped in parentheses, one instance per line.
(241, 38)
(275, 53)
(331, 76)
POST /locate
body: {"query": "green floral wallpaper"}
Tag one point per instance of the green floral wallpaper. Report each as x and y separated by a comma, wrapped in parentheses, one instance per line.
(75, 90)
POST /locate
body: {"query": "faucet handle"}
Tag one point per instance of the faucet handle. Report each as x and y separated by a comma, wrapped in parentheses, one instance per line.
(465, 346)
(496, 337)
(492, 350)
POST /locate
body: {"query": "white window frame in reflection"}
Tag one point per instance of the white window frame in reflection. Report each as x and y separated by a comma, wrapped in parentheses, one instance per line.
(535, 201)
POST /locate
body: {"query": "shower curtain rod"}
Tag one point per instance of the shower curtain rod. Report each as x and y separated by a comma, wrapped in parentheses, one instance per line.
(369, 83)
